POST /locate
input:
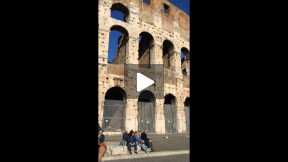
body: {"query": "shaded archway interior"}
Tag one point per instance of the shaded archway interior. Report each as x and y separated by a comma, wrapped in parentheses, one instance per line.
(168, 50)
(170, 99)
(185, 57)
(170, 114)
(115, 93)
(146, 111)
(187, 102)
(121, 47)
(114, 108)
(146, 96)
(184, 54)
(119, 12)
(146, 44)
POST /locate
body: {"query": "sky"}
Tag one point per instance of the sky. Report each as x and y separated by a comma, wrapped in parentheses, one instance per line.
(182, 4)
(114, 35)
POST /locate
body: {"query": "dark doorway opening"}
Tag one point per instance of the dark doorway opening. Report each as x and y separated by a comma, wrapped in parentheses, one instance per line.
(114, 109)
(170, 114)
(146, 111)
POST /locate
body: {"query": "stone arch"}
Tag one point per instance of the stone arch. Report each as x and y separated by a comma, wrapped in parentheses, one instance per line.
(147, 2)
(185, 60)
(118, 45)
(114, 109)
(119, 12)
(146, 111)
(185, 54)
(167, 53)
(187, 101)
(146, 48)
(170, 113)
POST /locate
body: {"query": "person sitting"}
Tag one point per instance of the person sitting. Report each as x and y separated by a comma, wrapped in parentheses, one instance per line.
(147, 141)
(140, 142)
(132, 142)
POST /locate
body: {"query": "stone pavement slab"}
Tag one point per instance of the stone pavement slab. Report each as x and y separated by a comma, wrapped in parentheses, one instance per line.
(148, 155)
(172, 158)
(161, 142)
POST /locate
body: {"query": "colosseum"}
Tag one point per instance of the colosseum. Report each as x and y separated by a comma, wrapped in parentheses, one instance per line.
(152, 32)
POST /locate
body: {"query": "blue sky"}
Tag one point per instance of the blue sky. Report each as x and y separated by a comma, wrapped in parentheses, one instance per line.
(114, 35)
(182, 4)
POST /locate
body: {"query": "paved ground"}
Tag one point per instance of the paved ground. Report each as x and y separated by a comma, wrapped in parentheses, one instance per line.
(146, 155)
(160, 143)
(173, 158)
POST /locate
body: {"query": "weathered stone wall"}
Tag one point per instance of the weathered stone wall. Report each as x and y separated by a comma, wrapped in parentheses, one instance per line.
(151, 19)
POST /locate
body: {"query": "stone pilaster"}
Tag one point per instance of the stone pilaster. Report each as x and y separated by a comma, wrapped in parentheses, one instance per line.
(181, 120)
(132, 54)
(103, 38)
(177, 62)
(100, 109)
(158, 59)
(131, 114)
(159, 117)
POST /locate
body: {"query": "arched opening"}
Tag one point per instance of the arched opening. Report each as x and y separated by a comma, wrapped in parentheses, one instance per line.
(119, 12)
(147, 2)
(170, 114)
(146, 48)
(168, 51)
(146, 111)
(185, 57)
(187, 113)
(118, 45)
(114, 108)
(184, 54)
(166, 9)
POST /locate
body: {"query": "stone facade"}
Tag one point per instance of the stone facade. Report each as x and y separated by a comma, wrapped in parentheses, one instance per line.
(151, 18)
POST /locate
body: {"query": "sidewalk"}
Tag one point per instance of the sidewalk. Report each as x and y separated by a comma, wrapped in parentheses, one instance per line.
(160, 142)
(148, 155)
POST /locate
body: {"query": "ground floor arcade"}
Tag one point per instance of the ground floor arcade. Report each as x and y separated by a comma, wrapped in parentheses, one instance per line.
(117, 112)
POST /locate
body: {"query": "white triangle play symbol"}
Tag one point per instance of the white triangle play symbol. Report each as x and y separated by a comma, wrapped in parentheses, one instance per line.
(143, 82)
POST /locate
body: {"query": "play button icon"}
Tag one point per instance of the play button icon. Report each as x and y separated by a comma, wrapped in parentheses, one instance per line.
(143, 82)
(138, 79)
